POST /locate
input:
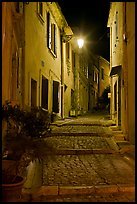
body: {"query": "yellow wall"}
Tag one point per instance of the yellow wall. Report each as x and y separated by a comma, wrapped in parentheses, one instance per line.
(7, 41)
(11, 53)
(122, 53)
(131, 69)
(36, 52)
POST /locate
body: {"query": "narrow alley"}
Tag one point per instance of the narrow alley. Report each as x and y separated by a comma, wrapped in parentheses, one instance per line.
(68, 101)
(92, 162)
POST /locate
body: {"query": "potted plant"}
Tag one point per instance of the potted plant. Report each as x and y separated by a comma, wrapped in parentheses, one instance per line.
(23, 141)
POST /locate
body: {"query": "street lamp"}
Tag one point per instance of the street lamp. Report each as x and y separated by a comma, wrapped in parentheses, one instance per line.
(80, 43)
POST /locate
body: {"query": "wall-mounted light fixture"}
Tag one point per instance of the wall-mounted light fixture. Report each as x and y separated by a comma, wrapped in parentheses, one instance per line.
(67, 34)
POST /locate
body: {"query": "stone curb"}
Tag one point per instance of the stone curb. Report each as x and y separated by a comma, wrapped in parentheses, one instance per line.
(84, 151)
(82, 124)
(75, 190)
(91, 151)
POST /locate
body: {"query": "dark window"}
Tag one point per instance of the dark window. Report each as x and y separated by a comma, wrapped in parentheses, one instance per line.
(73, 60)
(51, 35)
(53, 38)
(72, 99)
(67, 50)
(40, 9)
(102, 73)
(48, 30)
(55, 107)
(95, 77)
(44, 95)
(19, 7)
(33, 92)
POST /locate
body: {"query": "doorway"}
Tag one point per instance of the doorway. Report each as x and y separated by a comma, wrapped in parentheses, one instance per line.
(55, 107)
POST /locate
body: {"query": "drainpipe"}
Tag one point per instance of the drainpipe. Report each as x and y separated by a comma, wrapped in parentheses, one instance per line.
(111, 79)
(62, 77)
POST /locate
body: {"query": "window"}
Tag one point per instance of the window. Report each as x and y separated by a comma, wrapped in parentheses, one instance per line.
(40, 8)
(33, 92)
(55, 107)
(44, 94)
(53, 38)
(72, 99)
(95, 77)
(48, 30)
(73, 60)
(102, 73)
(67, 50)
(19, 7)
(51, 35)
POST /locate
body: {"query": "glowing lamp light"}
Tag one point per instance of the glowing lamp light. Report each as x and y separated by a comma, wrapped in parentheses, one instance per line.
(80, 43)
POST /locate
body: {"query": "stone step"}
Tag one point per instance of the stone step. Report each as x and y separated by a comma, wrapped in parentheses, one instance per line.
(84, 151)
(100, 134)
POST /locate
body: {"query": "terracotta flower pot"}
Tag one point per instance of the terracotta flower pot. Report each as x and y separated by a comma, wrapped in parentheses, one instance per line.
(12, 192)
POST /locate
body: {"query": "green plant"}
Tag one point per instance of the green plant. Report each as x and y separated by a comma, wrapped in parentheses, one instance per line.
(23, 138)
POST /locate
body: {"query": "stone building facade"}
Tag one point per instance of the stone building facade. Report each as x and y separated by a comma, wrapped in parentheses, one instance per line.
(122, 66)
(39, 67)
(12, 51)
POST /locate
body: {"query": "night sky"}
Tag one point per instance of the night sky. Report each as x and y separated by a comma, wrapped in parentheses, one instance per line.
(91, 19)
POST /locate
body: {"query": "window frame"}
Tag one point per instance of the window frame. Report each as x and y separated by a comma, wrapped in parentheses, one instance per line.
(51, 36)
(40, 13)
(102, 73)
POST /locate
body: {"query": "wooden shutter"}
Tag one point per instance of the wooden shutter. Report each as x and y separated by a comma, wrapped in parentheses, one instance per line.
(48, 31)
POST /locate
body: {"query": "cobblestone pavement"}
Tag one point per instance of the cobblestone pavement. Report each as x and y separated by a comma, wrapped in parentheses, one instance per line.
(71, 128)
(90, 170)
(81, 142)
(76, 172)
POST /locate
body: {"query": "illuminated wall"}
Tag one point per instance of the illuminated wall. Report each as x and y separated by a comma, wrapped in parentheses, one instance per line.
(12, 46)
(122, 64)
(44, 58)
(131, 69)
(39, 59)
